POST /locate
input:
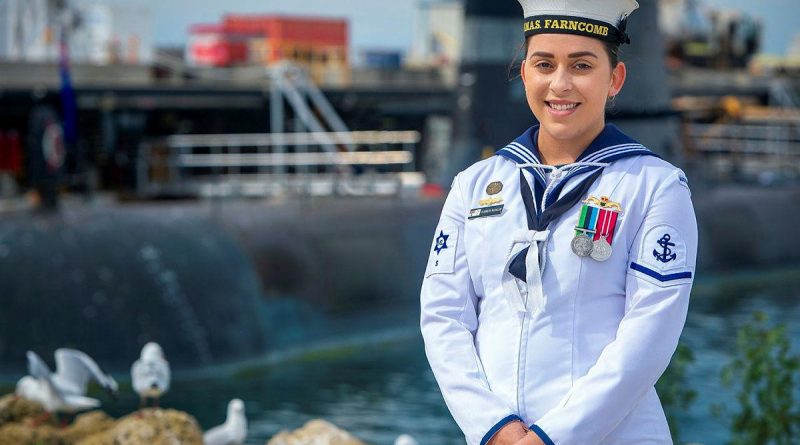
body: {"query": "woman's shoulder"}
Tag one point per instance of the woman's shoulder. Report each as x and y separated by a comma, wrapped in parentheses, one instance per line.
(492, 165)
(492, 169)
(651, 168)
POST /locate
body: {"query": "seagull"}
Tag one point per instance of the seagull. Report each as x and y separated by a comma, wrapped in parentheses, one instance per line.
(405, 439)
(233, 431)
(74, 370)
(40, 386)
(150, 374)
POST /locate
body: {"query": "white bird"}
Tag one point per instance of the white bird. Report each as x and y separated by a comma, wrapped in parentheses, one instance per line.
(405, 439)
(40, 386)
(150, 374)
(74, 371)
(233, 431)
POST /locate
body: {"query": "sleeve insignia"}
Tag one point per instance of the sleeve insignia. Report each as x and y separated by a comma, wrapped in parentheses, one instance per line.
(442, 256)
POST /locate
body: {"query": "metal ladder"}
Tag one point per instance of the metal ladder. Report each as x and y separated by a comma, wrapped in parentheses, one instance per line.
(292, 83)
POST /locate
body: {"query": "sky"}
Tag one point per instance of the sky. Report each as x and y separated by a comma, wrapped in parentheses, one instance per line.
(373, 23)
(389, 24)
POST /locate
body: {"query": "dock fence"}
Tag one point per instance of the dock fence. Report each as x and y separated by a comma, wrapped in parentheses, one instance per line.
(314, 163)
(758, 152)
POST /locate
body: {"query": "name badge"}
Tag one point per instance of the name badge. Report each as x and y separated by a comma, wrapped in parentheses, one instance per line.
(482, 212)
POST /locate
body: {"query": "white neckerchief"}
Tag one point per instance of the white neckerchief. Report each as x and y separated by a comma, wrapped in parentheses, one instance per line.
(531, 239)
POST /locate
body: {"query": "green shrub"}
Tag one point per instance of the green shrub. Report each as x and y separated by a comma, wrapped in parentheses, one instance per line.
(763, 373)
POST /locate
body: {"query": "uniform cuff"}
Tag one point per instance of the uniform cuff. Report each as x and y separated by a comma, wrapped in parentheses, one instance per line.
(542, 435)
(497, 426)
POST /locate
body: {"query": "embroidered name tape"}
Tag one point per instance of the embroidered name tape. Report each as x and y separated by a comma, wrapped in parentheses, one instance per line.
(483, 212)
(540, 25)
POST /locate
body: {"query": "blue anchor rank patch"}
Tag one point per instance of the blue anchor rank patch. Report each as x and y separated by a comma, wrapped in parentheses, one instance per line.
(661, 257)
(666, 255)
(441, 242)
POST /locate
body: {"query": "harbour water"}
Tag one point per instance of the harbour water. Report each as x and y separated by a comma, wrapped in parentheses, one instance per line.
(375, 381)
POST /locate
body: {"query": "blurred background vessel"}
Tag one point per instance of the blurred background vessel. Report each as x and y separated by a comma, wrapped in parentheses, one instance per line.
(268, 187)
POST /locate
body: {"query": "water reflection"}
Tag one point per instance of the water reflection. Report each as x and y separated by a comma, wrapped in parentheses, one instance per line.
(377, 385)
(376, 392)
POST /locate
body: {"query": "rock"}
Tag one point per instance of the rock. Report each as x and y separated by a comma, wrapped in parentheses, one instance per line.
(23, 431)
(87, 424)
(16, 423)
(15, 409)
(26, 434)
(150, 426)
(315, 432)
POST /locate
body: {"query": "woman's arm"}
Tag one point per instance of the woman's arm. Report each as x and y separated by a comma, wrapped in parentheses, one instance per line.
(657, 299)
(448, 321)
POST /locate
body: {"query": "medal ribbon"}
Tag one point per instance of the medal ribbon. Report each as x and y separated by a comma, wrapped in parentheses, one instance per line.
(585, 220)
(606, 222)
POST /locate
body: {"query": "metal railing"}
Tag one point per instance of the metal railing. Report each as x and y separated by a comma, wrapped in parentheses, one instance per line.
(380, 163)
(749, 151)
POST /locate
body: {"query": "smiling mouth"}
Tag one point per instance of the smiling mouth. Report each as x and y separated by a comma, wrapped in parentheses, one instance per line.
(562, 107)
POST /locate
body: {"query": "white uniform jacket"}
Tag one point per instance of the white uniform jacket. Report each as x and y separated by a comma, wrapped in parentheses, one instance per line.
(576, 350)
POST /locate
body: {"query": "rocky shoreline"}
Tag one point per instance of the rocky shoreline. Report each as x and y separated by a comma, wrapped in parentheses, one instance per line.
(23, 422)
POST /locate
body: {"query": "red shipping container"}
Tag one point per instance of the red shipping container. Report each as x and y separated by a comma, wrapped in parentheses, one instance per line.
(265, 39)
(211, 45)
(300, 30)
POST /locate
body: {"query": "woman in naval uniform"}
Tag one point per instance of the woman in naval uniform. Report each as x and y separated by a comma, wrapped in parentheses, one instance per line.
(558, 280)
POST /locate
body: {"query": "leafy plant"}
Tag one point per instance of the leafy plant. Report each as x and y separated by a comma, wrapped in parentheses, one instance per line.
(764, 373)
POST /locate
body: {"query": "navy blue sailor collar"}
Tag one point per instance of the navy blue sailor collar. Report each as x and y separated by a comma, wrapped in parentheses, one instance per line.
(610, 145)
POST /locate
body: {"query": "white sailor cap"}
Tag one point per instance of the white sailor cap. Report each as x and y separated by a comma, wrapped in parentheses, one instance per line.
(601, 19)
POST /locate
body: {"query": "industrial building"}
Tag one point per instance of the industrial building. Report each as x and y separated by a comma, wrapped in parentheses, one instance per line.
(317, 44)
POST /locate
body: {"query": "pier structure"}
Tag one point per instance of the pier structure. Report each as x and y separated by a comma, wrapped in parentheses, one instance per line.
(138, 111)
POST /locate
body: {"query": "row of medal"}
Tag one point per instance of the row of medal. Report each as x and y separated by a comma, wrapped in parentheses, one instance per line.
(595, 229)
(598, 250)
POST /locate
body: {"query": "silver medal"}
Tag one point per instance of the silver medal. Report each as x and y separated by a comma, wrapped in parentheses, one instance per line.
(601, 250)
(582, 245)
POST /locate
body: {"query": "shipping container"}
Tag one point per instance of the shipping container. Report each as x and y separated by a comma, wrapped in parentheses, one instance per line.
(211, 45)
(382, 59)
(318, 44)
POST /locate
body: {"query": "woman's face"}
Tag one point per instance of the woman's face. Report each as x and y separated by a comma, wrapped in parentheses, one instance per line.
(568, 79)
